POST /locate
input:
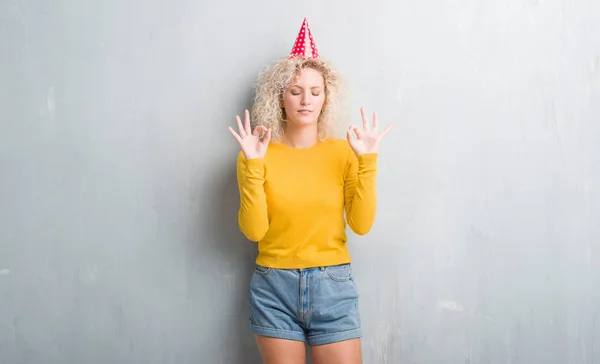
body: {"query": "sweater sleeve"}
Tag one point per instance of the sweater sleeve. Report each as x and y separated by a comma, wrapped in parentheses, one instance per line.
(252, 215)
(360, 194)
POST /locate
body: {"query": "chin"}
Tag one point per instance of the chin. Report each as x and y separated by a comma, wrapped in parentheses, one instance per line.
(305, 120)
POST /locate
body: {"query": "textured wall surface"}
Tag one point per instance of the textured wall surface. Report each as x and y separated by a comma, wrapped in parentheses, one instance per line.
(118, 202)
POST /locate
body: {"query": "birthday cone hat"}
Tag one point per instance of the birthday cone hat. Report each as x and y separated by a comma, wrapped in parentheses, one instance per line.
(305, 44)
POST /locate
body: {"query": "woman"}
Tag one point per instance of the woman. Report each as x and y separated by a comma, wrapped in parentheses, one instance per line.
(296, 181)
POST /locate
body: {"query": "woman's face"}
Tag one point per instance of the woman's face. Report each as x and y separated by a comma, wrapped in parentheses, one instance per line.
(304, 98)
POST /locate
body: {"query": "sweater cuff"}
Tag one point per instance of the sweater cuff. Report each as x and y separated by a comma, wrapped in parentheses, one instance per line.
(367, 159)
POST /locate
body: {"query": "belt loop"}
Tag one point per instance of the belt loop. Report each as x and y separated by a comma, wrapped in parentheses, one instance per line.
(322, 269)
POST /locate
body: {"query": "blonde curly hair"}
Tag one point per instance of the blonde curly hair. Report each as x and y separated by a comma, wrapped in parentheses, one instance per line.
(272, 82)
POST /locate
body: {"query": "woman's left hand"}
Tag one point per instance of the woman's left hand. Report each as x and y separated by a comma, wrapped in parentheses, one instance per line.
(367, 141)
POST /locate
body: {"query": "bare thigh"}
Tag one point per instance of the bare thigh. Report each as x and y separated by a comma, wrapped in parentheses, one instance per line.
(343, 352)
(280, 351)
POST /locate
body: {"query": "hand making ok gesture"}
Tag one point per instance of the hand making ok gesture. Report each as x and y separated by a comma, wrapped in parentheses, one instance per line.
(250, 142)
(367, 141)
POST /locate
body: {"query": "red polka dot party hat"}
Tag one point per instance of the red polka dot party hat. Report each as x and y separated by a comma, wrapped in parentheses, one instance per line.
(305, 44)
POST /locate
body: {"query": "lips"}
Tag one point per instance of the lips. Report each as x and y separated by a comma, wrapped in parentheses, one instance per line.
(304, 111)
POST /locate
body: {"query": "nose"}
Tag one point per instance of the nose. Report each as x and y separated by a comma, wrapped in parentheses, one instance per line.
(305, 99)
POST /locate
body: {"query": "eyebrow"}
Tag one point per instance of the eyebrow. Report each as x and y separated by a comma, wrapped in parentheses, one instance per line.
(302, 88)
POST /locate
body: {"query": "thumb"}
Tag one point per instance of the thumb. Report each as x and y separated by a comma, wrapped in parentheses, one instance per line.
(349, 136)
(258, 130)
(357, 131)
(267, 137)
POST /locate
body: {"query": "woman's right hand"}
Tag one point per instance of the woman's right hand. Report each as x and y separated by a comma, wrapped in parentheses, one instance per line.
(250, 143)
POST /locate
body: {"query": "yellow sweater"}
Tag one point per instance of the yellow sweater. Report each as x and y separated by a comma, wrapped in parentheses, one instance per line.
(292, 202)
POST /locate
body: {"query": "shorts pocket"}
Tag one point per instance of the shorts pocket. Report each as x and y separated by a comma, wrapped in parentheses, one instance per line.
(339, 273)
(262, 270)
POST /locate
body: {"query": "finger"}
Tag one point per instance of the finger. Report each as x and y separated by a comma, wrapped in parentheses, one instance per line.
(349, 132)
(386, 130)
(349, 136)
(359, 133)
(258, 130)
(364, 119)
(247, 121)
(235, 135)
(240, 127)
(375, 122)
(267, 137)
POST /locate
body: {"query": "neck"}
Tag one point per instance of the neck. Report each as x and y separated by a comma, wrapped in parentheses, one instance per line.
(300, 136)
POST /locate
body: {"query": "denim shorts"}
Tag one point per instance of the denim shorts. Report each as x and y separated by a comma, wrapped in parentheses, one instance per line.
(315, 305)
